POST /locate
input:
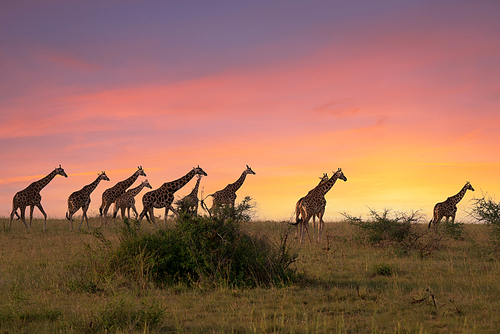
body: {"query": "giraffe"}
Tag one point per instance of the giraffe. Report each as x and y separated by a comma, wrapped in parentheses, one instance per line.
(227, 196)
(127, 200)
(322, 180)
(164, 196)
(314, 203)
(191, 200)
(30, 196)
(81, 199)
(448, 208)
(110, 195)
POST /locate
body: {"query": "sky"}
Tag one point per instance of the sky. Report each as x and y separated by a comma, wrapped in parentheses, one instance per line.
(404, 96)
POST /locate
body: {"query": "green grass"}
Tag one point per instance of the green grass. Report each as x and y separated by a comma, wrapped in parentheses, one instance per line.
(344, 287)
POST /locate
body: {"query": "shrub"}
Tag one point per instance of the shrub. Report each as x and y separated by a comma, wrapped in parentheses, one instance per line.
(486, 210)
(399, 231)
(198, 250)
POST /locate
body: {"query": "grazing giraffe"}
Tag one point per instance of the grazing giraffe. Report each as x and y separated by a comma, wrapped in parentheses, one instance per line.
(322, 180)
(81, 199)
(30, 196)
(110, 195)
(448, 208)
(191, 200)
(164, 196)
(227, 196)
(127, 200)
(314, 203)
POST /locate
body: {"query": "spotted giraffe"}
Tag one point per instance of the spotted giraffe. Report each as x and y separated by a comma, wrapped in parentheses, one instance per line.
(448, 208)
(30, 196)
(227, 196)
(164, 196)
(191, 200)
(314, 203)
(110, 195)
(81, 199)
(127, 200)
(322, 180)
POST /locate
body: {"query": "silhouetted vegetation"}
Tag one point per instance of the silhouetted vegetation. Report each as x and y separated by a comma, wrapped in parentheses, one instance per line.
(196, 251)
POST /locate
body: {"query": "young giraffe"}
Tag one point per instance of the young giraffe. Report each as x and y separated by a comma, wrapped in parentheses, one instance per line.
(191, 200)
(448, 208)
(110, 195)
(323, 179)
(81, 199)
(30, 196)
(164, 196)
(227, 196)
(314, 203)
(127, 200)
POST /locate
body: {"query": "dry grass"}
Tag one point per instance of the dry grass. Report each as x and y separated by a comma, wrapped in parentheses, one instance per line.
(345, 287)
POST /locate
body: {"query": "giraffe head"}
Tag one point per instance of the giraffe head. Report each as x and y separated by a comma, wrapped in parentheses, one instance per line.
(340, 175)
(146, 184)
(60, 171)
(199, 171)
(103, 176)
(468, 186)
(249, 171)
(324, 178)
(140, 171)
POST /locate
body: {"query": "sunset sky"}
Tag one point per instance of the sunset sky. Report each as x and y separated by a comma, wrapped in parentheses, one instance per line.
(404, 96)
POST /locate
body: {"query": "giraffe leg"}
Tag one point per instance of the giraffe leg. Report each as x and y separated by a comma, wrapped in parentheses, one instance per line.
(152, 216)
(166, 213)
(39, 206)
(23, 217)
(84, 216)
(105, 213)
(32, 208)
(14, 211)
(321, 224)
(135, 211)
(122, 210)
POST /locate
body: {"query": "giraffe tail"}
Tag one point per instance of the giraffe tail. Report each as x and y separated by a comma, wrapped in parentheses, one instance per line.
(297, 222)
(114, 214)
(67, 216)
(430, 223)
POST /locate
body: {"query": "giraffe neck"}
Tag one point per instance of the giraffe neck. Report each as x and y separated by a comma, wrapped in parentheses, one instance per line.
(127, 182)
(237, 185)
(134, 191)
(40, 184)
(458, 197)
(91, 187)
(181, 182)
(194, 192)
(325, 187)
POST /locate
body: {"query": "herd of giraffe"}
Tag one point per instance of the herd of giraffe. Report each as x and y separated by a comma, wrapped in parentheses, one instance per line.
(310, 206)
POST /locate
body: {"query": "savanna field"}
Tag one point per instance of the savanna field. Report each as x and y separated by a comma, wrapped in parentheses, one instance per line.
(435, 281)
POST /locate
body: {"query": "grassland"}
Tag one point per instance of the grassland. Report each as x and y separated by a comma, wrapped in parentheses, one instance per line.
(344, 287)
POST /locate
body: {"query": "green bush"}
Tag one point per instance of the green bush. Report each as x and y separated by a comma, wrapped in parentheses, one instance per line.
(198, 250)
(485, 210)
(383, 230)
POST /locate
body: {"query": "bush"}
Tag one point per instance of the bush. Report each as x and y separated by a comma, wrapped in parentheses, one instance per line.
(198, 250)
(485, 210)
(399, 231)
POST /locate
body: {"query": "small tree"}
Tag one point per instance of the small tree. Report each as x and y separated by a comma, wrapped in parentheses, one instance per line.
(485, 210)
(398, 230)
